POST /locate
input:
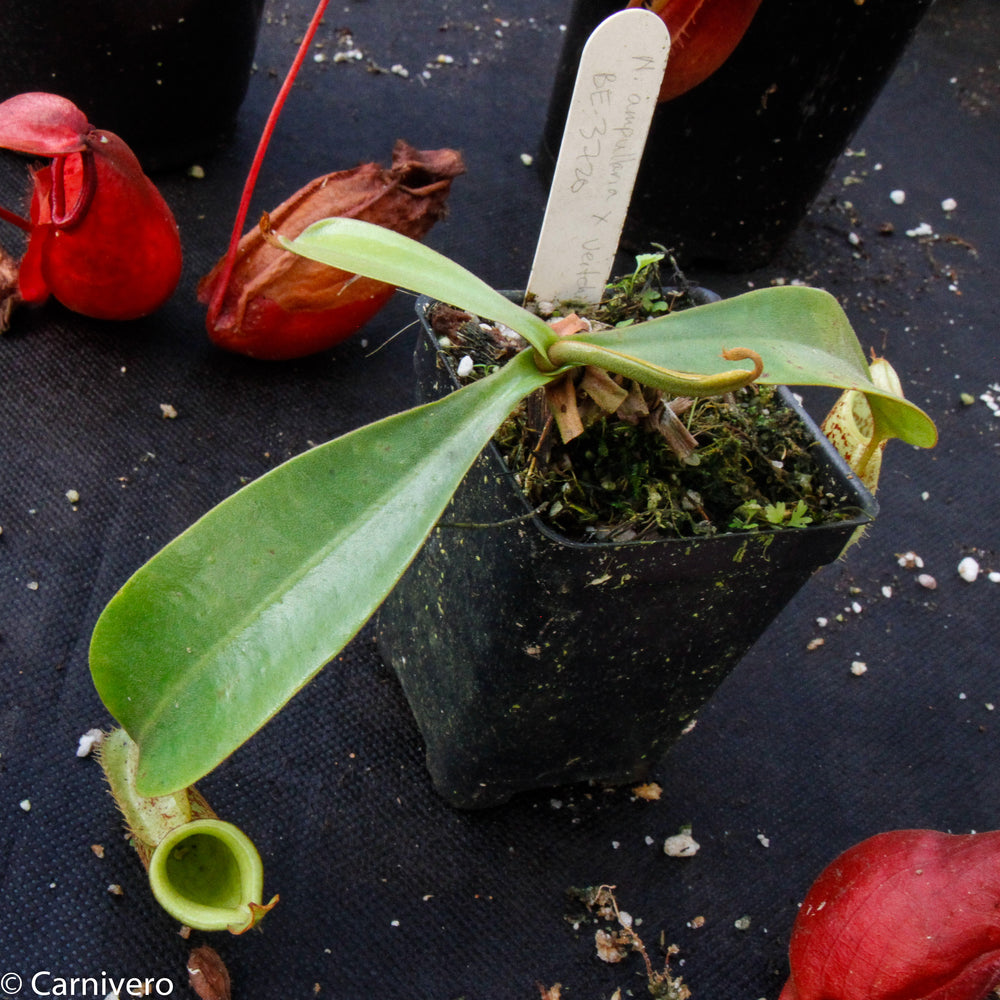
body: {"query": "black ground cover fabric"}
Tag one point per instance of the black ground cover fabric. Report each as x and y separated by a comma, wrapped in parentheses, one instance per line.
(385, 891)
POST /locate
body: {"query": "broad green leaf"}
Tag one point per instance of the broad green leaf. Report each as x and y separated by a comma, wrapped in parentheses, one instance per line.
(219, 629)
(380, 253)
(802, 335)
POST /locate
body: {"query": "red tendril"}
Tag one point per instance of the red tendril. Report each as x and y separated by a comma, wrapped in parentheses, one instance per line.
(15, 220)
(230, 260)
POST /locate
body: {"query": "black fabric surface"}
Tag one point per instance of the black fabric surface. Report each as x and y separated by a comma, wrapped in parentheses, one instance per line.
(385, 891)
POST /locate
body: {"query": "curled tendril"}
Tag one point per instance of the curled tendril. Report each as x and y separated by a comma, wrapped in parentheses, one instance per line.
(746, 354)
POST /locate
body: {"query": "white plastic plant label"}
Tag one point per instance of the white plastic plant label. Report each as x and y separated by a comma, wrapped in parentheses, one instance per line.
(614, 97)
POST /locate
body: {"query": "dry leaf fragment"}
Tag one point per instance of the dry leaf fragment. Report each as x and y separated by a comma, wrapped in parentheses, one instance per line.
(650, 791)
(561, 398)
(664, 420)
(635, 407)
(603, 389)
(208, 975)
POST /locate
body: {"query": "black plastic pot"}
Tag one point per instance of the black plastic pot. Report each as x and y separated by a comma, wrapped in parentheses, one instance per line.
(530, 660)
(168, 76)
(732, 166)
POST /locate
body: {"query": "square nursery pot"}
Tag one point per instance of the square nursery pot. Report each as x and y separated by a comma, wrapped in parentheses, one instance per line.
(530, 660)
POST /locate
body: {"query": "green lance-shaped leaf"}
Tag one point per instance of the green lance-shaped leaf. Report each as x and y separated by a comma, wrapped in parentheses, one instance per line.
(380, 253)
(802, 334)
(219, 629)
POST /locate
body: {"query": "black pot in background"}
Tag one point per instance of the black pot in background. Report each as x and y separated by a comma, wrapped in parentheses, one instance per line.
(168, 76)
(531, 661)
(732, 166)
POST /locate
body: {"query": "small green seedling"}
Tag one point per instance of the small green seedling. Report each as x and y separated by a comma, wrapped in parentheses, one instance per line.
(752, 515)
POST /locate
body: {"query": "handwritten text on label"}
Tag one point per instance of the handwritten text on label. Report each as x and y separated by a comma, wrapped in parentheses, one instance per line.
(607, 145)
